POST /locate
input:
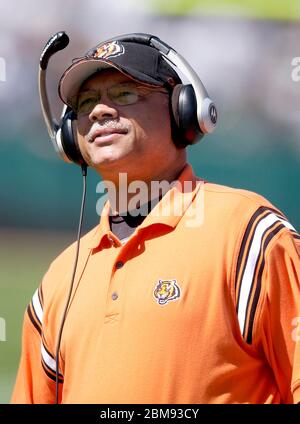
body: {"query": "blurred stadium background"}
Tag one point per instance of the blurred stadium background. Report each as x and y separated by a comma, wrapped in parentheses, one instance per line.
(243, 52)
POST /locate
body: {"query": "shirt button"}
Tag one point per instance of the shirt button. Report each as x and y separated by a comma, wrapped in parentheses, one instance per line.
(114, 296)
(119, 264)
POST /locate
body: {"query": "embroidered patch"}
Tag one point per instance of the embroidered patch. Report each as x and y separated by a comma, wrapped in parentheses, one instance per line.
(166, 290)
(108, 50)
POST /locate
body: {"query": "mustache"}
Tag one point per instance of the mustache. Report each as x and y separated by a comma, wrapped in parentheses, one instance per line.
(106, 124)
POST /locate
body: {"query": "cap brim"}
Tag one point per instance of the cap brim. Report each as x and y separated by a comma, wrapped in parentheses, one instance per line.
(76, 74)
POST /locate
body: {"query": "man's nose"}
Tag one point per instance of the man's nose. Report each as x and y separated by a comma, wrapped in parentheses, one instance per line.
(103, 111)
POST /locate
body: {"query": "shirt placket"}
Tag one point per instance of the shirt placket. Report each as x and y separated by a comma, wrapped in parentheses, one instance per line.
(116, 289)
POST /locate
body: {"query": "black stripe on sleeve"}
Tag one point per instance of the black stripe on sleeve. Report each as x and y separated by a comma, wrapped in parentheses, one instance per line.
(244, 241)
(50, 370)
(60, 379)
(34, 322)
(261, 254)
(35, 314)
(259, 278)
(260, 211)
(40, 296)
(51, 357)
(295, 234)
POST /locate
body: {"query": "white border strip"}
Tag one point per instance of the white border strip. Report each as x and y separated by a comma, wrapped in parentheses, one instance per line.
(37, 306)
(48, 359)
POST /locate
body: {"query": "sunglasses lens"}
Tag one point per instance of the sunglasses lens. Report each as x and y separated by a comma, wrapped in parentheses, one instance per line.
(85, 102)
(123, 94)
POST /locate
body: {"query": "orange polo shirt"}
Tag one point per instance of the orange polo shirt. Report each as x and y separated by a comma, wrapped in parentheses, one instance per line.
(200, 305)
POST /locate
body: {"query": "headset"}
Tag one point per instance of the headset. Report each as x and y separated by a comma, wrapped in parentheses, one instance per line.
(193, 113)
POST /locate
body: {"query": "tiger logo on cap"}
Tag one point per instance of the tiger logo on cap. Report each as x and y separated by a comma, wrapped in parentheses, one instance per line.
(165, 291)
(110, 49)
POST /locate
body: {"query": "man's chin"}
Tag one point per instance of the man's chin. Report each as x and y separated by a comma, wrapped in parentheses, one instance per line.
(106, 162)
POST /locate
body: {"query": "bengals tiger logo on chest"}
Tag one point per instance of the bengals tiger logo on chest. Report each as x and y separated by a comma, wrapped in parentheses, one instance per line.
(165, 291)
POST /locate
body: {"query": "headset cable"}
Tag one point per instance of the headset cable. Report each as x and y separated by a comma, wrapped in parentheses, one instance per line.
(84, 173)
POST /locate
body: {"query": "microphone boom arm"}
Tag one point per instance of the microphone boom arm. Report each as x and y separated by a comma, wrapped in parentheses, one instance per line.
(57, 42)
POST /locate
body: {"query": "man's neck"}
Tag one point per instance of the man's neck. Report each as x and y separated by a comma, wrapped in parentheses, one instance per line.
(127, 194)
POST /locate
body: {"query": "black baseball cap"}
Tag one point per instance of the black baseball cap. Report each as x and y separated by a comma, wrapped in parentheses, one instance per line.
(138, 61)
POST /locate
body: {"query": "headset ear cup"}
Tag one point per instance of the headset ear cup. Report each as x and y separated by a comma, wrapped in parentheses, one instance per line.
(177, 133)
(69, 140)
(175, 102)
(187, 115)
(184, 121)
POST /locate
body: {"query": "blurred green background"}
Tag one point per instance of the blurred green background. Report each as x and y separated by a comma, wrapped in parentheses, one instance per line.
(243, 52)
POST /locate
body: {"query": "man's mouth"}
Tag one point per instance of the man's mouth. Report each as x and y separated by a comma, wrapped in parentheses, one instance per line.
(107, 133)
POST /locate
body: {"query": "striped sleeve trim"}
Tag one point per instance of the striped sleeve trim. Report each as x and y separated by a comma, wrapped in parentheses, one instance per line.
(35, 310)
(35, 313)
(50, 375)
(41, 296)
(33, 320)
(263, 226)
(295, 235)
(49, 363)
(37, 307)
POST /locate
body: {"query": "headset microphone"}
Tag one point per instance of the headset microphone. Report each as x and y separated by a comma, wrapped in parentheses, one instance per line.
(57, 42)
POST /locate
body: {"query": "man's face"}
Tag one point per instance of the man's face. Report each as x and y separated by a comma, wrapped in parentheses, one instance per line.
(133, 138)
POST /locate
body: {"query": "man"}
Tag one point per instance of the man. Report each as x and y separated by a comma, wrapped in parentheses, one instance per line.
(196, 302)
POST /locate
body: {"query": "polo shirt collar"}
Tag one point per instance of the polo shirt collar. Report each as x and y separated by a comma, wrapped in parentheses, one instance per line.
(167, 212)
